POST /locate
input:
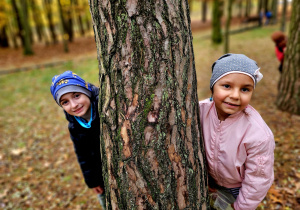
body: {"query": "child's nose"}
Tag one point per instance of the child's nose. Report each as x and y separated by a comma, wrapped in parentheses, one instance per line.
(235, 94)
(73, 103)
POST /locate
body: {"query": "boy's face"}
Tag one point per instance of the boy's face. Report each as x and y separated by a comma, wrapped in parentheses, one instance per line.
(232, 93)
(76, 104)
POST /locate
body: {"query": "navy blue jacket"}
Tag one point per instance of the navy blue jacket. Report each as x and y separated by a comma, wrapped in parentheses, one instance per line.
(87, 144)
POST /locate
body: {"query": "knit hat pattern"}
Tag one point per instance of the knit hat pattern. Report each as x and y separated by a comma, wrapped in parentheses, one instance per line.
(234, 63)
(68, 82)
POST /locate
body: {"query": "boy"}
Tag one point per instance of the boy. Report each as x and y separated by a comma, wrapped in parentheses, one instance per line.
(79, 101)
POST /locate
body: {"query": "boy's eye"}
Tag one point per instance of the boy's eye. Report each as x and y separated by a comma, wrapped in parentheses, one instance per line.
(76, 95)
(226, 86)
(245, 89)
(63, 103)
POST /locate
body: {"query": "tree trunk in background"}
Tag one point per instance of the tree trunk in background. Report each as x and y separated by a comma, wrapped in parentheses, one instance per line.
(274, 11)
(37, 18)
(47, 4)
(216, 21)
(152, 149)
(266, 5)
(25, 23)
(248, 8)
(3, 37)
(240, 6)
(19, 21)
(227, 27)
(288, 98)
(204, 10)
(260, 12)
(63, 29)
(283, 16)
(78, 15)
(68, 21)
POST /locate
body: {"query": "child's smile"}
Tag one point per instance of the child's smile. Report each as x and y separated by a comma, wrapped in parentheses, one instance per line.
(232, 93)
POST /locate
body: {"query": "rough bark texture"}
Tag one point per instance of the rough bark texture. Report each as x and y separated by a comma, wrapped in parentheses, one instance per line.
(288, 98)
(151, 143)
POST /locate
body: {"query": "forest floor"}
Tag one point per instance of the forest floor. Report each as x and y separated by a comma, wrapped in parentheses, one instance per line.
(38, 168)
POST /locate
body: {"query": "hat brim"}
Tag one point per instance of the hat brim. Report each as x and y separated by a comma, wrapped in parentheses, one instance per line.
(71, 89)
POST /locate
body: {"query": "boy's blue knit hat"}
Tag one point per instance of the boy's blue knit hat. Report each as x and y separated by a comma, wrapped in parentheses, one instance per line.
(68, 82)
(234, 63)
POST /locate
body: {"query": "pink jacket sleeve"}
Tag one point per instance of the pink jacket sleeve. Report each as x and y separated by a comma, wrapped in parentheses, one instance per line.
(259, 174)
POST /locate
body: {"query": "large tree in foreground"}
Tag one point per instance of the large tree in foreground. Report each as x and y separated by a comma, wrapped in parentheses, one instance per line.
(288, 98)
(151, 143)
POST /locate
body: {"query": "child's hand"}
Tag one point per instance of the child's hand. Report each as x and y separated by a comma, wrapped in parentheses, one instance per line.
(98, 190)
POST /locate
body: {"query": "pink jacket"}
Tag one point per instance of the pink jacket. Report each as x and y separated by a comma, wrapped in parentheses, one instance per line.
(240, 153)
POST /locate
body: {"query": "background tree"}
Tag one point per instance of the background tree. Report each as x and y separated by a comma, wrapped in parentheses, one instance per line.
(248, 8)
(288, 98)
(65, 35)
(217, 13)
(283, 16)
(19, 21)
(151, 143)
(274, 11)
(3, 24)
(227, 26)
(37, 18)
(204, 10)
(49, 15)
(25, 23)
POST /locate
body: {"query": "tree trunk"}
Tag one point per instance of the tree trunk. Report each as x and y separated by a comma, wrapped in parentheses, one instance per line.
(240, 6)
(274, 11)
(63, 29)
(260, 12)
(283, 15)
(227, 27)
(204, 10)
(36, 12)
(19, 21)
(48, 9)
(3, 37)
(216, 21)
(248, 8)
(151, 145)
(27, 35)
(78, 15)
(288, 98)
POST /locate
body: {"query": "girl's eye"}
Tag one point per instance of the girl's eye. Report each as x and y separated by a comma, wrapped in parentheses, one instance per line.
(226, 86)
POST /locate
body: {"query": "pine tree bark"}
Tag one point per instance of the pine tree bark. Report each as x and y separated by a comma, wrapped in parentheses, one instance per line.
(288, 98)
(151, 144)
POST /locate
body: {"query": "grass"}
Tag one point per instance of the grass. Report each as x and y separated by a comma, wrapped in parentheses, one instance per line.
(39, 167)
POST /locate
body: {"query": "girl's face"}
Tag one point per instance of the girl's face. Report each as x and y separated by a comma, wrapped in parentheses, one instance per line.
(232, 93)
(76, 104)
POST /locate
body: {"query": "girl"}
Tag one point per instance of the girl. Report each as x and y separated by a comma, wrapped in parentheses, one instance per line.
(79, 101)
(239, 145)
